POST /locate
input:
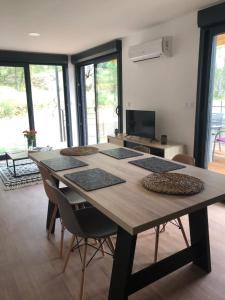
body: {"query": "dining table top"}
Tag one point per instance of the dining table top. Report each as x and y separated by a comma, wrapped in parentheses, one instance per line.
(129, 204)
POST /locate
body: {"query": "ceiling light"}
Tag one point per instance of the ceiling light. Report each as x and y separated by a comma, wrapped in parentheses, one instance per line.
(34, 34)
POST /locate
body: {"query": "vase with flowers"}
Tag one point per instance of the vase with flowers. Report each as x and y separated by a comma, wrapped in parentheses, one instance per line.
(30, 135)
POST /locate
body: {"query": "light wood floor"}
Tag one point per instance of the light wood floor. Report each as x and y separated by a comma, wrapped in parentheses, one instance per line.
(31, 269)
(218, 163)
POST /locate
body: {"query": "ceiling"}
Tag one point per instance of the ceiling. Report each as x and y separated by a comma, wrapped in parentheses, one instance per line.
(70, 26)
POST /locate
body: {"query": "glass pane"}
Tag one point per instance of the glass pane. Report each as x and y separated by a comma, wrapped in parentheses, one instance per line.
(90, 104)
(107, 98)
(216, 153)
(48, 103)
(13, 109)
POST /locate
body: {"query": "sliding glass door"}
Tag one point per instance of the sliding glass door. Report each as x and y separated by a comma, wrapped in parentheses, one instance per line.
(99, 100)
(209, 150)
(13, 108)
(106, 99)
(32, 96)
(48, 105)
(216, 125)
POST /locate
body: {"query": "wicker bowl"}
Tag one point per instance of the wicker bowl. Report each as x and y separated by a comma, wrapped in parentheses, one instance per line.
(79, 151)
(173, 184)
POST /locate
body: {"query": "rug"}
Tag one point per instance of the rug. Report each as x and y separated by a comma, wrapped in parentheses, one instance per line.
(10, 183)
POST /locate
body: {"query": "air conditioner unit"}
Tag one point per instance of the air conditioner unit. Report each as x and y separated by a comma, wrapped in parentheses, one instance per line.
(152, 49)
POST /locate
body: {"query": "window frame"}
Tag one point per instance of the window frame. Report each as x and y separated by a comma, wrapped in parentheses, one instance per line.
(109, 51)
(25, 59)
(211, 22)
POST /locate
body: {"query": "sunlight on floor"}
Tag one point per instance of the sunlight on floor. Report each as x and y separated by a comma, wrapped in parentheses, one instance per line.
(218, 164)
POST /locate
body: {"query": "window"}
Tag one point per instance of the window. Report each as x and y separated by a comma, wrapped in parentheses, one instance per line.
(99, 92)
(34, 95)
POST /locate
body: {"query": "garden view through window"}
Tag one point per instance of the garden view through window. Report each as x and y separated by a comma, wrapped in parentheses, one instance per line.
(13, 108)
(216, 147)
(101, 97)
(48, 104)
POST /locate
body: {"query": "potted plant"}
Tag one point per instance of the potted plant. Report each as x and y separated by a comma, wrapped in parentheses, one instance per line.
(30, 135)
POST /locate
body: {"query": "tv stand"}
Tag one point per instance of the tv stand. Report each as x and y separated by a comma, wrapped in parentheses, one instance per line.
(153, 147)
(149, 140)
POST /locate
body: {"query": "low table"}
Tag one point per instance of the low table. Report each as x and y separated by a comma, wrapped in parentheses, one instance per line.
(16, 156)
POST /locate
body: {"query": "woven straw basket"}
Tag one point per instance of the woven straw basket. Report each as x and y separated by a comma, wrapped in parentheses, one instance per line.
(173, 183)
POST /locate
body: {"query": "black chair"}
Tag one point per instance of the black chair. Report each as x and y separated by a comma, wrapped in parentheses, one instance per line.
(75, 200)
(87, 223)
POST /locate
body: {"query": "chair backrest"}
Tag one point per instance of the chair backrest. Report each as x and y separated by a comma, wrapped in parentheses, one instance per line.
(67, 214)
(46, 175)
(184, 158)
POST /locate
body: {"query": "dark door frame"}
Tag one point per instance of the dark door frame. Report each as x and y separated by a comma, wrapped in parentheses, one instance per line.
(211, 22)
(108, 51)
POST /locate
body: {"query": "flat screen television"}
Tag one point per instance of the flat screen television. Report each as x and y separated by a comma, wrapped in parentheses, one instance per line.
(140, 123)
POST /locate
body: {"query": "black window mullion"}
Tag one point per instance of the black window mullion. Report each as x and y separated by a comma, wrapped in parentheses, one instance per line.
(29, 96)
(81, 105)
(120, 92)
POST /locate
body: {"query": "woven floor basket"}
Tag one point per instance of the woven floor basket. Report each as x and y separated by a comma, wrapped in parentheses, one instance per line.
(173, 183)
(79, 151)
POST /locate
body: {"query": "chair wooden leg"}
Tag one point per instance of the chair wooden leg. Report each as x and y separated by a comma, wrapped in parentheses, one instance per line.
(62, 239)
(83, 271)
(183, 231)
(112, 247)
(52, 221)
(69, 252)
(156, 243)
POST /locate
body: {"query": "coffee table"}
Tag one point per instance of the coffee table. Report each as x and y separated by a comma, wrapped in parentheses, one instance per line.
(17, 156)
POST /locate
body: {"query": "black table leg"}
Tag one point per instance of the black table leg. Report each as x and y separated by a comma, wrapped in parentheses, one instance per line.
(199, 231)
(7, 162)
(122, 265)
(124, 282)
(14, 168)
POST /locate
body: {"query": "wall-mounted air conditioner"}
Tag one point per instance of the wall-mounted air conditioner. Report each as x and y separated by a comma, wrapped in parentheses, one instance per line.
(152, 49)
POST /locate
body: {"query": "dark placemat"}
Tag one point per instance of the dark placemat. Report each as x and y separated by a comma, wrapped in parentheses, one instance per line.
(121, 153)
(156, 165)
(63, 163)
(93, 179)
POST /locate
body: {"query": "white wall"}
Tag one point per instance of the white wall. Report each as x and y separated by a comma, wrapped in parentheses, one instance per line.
(166, 85)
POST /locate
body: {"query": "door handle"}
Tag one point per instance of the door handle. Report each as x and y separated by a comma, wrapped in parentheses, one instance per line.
(117, 110)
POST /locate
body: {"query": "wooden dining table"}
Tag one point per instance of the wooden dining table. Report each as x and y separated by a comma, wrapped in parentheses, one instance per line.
(135, 209)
